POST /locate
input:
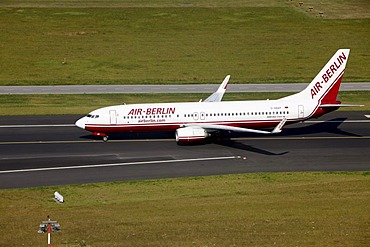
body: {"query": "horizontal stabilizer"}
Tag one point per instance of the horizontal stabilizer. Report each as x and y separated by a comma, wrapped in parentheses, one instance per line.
(217, 96)
(339, 105)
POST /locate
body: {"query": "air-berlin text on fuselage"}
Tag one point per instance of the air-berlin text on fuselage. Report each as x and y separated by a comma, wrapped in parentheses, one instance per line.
(329, 73)
(152, 111)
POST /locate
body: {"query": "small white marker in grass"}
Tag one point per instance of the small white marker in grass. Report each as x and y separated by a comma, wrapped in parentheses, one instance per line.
(58, 197)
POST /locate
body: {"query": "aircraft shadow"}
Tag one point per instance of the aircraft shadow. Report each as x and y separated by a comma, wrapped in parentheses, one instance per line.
(244, 147)
(135, 136)
(330, 126)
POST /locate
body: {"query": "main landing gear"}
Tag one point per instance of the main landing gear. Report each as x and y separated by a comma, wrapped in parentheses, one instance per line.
(105, 136)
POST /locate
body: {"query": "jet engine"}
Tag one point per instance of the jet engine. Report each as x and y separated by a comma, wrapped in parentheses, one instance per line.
(191, 134)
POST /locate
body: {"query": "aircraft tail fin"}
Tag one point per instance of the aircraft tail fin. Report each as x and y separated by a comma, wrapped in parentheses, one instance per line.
(325, 86)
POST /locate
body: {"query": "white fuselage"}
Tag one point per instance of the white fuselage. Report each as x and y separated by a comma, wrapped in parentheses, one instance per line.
(170, 116)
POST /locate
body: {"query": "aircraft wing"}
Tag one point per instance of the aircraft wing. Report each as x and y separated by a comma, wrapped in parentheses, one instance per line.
(217, 96)
(276, 130)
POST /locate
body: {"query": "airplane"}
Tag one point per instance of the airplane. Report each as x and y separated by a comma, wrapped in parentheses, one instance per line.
(196, 121)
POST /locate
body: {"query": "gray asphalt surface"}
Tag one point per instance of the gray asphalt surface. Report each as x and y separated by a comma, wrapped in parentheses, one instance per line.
(196, 88)
(340, 143)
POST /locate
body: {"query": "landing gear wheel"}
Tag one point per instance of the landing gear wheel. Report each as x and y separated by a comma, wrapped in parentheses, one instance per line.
(105, 138)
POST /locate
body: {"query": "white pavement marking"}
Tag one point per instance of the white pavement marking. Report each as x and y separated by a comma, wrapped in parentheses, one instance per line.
(171, 140)
(119, 164)
(37, 126)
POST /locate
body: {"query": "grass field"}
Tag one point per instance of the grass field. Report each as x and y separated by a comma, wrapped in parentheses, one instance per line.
(82, 104)
(267, 209)
(121, 42)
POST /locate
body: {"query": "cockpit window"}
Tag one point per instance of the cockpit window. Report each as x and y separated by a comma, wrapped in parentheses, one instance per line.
(89, 115)
(92, 116)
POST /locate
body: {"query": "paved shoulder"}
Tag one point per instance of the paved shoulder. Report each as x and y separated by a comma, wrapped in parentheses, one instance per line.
(192, 88)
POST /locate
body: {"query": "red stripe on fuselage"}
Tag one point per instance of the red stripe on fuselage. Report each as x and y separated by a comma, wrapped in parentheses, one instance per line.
(118, 128)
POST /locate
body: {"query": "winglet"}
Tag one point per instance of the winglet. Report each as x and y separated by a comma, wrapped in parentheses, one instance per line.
(279, 127)
(217, 96)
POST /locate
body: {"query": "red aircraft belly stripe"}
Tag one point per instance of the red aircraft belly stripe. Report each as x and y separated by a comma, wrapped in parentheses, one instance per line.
(174, 125)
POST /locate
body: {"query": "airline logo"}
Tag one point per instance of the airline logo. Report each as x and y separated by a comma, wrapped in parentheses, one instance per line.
(152, 111)
(329, 73)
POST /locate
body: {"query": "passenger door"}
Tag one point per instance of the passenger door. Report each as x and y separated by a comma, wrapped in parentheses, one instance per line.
(113, 116)
(300, 111)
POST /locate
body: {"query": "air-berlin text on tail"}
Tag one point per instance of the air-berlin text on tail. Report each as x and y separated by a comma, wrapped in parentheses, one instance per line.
(329, 73)
(152, 111)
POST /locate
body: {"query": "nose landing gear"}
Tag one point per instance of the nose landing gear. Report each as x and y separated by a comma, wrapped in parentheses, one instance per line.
(105, 136)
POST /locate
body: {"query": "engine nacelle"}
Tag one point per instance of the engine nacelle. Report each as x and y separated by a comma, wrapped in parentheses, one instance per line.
(191, 134)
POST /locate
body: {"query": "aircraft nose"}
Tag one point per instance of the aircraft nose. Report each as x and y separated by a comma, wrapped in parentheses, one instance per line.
(80, 123)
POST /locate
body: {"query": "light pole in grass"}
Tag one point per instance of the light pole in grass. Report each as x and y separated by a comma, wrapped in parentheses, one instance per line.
(48, 226)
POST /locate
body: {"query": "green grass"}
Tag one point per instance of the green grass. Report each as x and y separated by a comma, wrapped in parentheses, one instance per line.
(82, 104)
(139, 3)
(164, 42)
(267, 209)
